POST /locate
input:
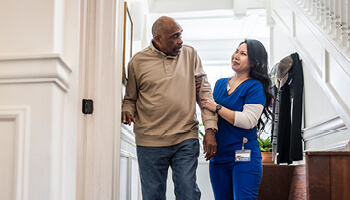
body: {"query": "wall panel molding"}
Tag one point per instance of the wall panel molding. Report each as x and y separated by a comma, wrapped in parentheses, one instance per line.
(127, 135)
(127, 154)
(329, 135)
(36, 68)
(132, 181)
(329, 126)
(21, 117)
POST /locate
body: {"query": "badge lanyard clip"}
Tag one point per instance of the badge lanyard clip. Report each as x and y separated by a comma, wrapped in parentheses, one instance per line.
(245, 140)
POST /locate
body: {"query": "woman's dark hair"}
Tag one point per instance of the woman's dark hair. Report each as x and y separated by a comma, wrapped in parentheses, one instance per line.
(258, 59)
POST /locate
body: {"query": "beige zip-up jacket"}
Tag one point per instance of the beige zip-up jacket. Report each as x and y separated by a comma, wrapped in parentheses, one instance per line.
(161, 95)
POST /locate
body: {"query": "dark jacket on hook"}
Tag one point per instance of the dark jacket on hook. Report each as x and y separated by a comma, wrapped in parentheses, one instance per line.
(288, 110)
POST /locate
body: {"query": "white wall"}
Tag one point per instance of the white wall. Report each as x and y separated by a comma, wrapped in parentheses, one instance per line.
(39, 55)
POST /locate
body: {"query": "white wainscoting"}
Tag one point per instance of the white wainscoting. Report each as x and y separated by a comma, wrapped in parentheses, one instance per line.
(130, 188)
(129, 182)
(338, 80)
(14, 152)
(41, 82)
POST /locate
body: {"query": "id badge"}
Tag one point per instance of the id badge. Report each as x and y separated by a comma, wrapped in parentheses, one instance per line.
(242, 155)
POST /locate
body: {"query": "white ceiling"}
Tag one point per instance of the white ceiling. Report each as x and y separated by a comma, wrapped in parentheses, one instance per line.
(239, 6)
(161, 6)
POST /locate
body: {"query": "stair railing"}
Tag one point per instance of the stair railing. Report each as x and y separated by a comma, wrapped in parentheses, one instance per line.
(333, 16)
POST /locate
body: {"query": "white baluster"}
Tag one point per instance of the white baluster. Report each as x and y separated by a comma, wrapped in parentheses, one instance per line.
(348, 23)
(309, 7)
(322, 12)
(343, 23)
(327, 21)
(303, 4)
(337, 12)
(333, 20)
(306, 6)
(317, 4)
(312, 8)
(347, 5)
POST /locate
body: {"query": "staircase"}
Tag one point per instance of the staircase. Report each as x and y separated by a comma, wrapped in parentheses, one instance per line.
(319, 31)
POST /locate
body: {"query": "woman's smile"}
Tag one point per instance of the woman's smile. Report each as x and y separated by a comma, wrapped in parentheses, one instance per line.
(235, 63)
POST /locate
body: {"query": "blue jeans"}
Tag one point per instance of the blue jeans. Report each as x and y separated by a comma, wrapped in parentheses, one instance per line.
(154, 163)
(236, 180)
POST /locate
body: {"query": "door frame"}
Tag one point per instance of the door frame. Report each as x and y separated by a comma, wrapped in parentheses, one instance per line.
(100, 79)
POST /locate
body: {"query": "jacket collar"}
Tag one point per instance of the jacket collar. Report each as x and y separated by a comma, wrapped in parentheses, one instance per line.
(156, 51)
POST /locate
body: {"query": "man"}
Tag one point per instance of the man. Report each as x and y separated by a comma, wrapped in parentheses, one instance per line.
(160, 100)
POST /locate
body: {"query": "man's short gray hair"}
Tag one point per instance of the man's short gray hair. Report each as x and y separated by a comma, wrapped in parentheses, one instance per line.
(159, 25)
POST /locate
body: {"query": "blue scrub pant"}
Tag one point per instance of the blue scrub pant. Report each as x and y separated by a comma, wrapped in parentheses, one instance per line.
(236, 180)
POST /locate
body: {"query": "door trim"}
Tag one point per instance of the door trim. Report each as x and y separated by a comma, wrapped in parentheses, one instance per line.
(100, 79)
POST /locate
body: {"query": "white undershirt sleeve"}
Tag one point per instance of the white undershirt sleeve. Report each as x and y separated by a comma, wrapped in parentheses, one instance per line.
(249, 117)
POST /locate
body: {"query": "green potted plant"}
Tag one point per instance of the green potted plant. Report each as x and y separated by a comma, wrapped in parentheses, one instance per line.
(265, 146)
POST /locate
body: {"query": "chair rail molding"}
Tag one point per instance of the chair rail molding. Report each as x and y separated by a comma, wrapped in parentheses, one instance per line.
(329, 132)
(36, 68)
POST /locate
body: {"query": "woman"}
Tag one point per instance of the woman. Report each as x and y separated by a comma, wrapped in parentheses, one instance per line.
(236, 169)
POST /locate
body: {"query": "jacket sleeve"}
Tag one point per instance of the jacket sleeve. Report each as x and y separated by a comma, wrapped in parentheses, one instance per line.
(210, 119)
(131, 91)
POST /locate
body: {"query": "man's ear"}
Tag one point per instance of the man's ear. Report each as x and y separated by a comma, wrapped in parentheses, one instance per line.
(157, 39)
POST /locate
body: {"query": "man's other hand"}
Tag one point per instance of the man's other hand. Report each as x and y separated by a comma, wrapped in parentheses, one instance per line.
(127, 118)
(209, 143)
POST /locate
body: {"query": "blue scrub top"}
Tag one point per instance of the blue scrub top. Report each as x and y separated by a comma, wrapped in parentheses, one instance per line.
(229, 137)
